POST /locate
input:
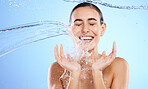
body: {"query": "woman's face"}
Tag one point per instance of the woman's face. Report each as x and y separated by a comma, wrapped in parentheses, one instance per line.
(86, 28)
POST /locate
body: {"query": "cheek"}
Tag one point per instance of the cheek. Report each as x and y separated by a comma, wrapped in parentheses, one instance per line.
(75, 31)
(96, 31)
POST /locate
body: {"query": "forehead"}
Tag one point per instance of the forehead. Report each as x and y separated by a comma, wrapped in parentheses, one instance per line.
(85, 13)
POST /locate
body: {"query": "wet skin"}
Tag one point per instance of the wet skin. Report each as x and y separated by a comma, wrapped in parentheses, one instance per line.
(107, 71)
(85, 83)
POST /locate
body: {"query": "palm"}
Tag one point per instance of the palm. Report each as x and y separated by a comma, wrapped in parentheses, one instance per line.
(66, 63)
(104, 60)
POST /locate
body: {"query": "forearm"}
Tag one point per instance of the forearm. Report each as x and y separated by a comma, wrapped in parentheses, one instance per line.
(74, 80)
(98, 79)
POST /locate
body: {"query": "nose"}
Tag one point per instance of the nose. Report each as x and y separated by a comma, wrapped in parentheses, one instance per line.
(85, 29)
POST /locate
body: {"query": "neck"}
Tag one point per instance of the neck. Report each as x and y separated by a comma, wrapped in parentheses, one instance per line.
(90, 56)
(93, 52)
(86, 55)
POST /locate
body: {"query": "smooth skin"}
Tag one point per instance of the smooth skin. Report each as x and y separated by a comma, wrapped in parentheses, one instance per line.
(107, 71)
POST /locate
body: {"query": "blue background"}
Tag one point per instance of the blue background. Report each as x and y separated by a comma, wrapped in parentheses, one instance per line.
(27, 67)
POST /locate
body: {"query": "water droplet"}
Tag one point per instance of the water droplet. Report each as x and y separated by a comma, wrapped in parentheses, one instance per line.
(46, 29)
(143, 7)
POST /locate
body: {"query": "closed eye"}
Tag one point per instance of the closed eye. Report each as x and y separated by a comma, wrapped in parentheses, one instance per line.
(91, 24)
(78, 24)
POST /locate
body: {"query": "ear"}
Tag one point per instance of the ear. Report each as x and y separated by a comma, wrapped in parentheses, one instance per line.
(103, 28)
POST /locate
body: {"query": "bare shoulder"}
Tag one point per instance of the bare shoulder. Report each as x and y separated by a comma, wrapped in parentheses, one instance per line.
(120, 70)
(55, 70)
(54, 73)
(119, 64)
(56, 66)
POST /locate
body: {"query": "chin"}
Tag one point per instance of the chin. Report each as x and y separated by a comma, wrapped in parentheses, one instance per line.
(90, 47)
(85, 46)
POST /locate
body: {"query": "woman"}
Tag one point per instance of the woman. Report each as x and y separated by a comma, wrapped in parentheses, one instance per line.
(93, 71)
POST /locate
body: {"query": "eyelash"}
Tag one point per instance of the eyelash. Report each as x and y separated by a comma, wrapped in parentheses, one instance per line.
(78, 24)
(81, 24)
(92, 24)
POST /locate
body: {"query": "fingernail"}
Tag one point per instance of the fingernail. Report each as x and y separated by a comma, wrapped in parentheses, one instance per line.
(61, 45)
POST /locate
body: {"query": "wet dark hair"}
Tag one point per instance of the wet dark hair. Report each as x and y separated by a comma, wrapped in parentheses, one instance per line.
(84, 4)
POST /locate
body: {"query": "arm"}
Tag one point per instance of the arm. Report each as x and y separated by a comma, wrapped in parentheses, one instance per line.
(120, 70)
(74, 80)
(100, 65)
(70, 65)
(121, 74)
(54, 73)
(98, 79)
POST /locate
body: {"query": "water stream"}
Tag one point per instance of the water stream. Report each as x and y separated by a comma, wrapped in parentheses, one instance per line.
(15, 37)
(104, 3)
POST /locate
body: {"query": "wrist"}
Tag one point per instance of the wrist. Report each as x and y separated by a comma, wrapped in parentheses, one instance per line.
(77, 70)
(96, 71)
(75, 75)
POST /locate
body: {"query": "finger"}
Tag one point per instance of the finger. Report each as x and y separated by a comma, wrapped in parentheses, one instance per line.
(114, 51)
(57, 50)
(104, 53)
(61, 51)
(69, 57)
(62, 54)
(114, 48)
(110, 54)
(111, 57)
(56, 53)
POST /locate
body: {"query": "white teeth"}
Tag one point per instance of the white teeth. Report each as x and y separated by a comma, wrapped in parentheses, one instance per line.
(86, 38)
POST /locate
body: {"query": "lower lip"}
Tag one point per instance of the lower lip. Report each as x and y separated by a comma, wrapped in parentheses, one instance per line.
(87, 41)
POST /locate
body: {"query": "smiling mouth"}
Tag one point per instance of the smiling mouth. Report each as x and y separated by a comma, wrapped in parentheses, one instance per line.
(86, 39)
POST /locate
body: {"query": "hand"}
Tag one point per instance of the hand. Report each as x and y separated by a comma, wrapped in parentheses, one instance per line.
(66, 63)
(104, 60)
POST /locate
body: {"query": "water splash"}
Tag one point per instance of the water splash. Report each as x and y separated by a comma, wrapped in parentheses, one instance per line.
(16, 3)
(143, 7)
(17, 36)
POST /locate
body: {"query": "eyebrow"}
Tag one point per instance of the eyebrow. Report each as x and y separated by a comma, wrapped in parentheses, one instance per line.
(78, 20)
(92, 19)
(88, 19)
